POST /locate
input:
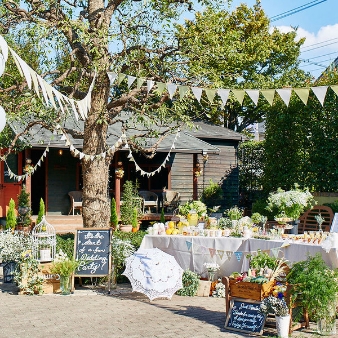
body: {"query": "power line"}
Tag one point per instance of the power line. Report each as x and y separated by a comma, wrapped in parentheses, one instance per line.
(319, 56)
(296, 10)
(328, 44)
(318, 43)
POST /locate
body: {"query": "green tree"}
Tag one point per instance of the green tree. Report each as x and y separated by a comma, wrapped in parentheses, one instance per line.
(114, 220)
(41, 211)
(69, 42)
(237, 50)
(10, 217)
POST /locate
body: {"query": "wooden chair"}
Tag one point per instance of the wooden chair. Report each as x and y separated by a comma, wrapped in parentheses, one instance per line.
(75, 201)
(308, 222)
(150, 200)
(171, 199)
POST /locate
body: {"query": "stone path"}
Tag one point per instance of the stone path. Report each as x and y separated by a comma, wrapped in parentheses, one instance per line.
(91, 312)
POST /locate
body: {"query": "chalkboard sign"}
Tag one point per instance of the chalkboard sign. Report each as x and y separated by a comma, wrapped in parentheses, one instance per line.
(94, 246)
(245, 316)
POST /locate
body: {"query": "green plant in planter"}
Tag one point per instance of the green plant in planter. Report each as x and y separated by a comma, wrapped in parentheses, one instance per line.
(41, 211)
(10, 217)
(262, 260)
(134, 221)
(114, 220)
(190, 281)
(234, 213)
(24, 208)
(314, 286)
(131, 199)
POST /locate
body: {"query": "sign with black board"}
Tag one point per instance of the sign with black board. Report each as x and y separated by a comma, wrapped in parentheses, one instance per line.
(94, 246)
(244, 316)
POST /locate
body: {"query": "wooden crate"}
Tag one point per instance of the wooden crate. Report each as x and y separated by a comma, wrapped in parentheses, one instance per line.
(249, 290)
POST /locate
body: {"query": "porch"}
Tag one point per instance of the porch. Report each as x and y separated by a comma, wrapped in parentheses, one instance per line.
(65, 224)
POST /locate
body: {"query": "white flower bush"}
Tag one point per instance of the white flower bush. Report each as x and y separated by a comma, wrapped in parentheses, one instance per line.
(121, 249)
(12, 245)
(219, 291)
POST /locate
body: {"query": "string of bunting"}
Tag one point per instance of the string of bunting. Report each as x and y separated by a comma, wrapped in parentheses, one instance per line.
(51, 96)
(254, 94)
(29, 169)
(152, 173)
(227, 255)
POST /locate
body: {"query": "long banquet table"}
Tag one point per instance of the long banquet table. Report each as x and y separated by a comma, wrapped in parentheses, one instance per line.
(191, 252)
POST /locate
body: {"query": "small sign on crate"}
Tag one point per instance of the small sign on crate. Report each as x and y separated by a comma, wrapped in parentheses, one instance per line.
(248, 290)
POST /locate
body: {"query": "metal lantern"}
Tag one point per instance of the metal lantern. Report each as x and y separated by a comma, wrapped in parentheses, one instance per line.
(44, 241)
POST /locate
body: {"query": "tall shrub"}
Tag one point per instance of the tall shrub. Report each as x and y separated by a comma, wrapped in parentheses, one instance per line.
(41, 211)
(113, 214)
(10, 217)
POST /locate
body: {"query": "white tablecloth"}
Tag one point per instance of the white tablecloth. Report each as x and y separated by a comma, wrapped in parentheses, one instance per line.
(191, 252)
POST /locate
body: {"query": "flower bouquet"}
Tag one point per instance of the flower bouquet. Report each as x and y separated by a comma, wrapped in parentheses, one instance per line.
(212, 269)
(275, 305)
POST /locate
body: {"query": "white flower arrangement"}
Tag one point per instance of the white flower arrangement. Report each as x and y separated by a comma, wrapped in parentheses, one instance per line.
(211, 267)
(219, 291)
(121, 249)
(12, 245)
(275, 305)
(290, 203)
(198, 206)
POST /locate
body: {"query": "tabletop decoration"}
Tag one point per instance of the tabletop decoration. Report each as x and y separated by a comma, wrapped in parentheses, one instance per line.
(212, 269)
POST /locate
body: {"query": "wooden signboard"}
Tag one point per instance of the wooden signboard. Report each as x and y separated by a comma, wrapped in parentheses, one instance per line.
(94, 246)
(244, 315)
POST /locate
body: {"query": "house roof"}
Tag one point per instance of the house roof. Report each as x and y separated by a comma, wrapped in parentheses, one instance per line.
(210, 131)
(185, 143)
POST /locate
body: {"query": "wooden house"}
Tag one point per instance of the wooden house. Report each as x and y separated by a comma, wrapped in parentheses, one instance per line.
(210, 149)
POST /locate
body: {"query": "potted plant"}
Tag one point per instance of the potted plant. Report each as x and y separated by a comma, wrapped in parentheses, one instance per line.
(290, 204)
(130, 200)
(134, 221)
(277, 305)
(41, 212)
(313, 285)
(24, 220)
(65, 267)
(113, 214)
(10, 216)
(199, 207)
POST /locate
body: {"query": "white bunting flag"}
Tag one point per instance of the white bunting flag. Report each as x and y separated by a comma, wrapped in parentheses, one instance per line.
(224, 95)
(130, 80)
(197, 91)
(2, 64)
(4, 48)
(171, 89)
(285, 94)
(112, 77)
(253, 94)
(320, 93)
(150, 85)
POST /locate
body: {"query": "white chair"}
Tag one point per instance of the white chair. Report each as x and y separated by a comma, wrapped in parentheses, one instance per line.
(75, 201)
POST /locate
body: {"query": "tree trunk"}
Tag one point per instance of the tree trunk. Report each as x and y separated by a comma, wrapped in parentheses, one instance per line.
(95, 170)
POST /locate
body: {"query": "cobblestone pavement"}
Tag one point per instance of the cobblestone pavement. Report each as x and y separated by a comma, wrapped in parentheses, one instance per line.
(91, 312)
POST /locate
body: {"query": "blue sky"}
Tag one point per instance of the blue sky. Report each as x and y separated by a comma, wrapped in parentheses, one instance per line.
(318, 24)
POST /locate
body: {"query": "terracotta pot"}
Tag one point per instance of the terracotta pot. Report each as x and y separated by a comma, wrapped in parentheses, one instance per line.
(134, 229)
(125, 228)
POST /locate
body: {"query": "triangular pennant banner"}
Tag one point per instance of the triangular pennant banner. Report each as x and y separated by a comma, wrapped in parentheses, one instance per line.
(285, 94)
(189, 244)
(229, 254)
(130, 80)
(171, 89)
(212, 252)
(320, 93)
(140, 82)
(220, 253)
(269, 95)
(121, 77)
(210, 94)
(335, 89)
(160, 87)
(253, 94)
(197, 91)
(182, 90)
(239, 94)
(112, 77)
(150, 84)
(303, 94)
(285, 244)
(224, 95)
(238, 255)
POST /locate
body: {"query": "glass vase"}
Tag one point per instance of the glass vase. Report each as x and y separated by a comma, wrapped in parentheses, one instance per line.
(211, 275)
(65, 284)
